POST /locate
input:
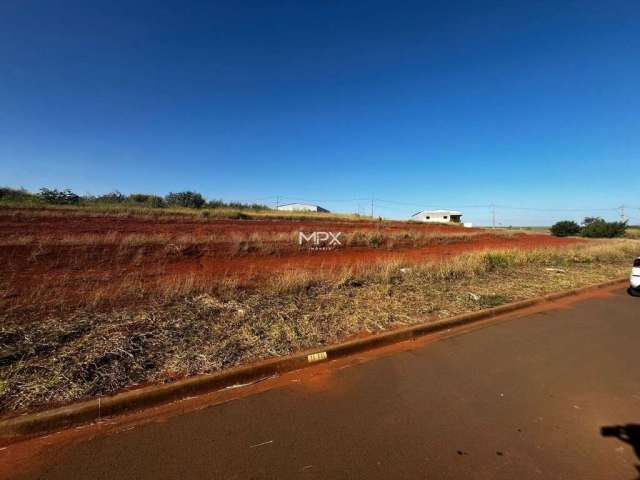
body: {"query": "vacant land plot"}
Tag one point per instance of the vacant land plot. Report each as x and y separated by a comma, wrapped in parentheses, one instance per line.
(54, 259)
(93, 304)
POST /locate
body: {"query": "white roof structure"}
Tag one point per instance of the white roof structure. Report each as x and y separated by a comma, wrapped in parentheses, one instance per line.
(438, 216)
(437, 212)
(301, 207)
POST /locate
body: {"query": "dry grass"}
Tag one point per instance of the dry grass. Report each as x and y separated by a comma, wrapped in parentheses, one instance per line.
(82, 251)
(633, 232)
(96, 270)
(171, 214)
(358, 238)
(111, 238)
(412, 238)
(470, 265)
(199, 327)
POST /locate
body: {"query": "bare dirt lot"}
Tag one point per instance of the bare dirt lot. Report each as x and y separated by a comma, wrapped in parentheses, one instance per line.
(56, 259)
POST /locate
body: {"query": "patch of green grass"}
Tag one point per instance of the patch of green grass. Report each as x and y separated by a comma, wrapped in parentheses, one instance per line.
(492, 300)
(496, 260)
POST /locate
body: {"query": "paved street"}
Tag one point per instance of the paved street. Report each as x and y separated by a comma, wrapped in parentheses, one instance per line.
(519, 399)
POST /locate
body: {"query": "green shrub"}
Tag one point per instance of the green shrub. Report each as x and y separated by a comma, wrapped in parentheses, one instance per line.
(238, 216)
(375, 240)
(59, 197)
(185, 199)
(17, 195)
(237, 205)
(492, 300)
(565, 228)
(595, 227)
(495, 260)
(111, 197)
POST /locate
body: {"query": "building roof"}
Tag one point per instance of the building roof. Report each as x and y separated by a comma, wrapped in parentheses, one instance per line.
(301, 206)
(299, 203)
(435, 212)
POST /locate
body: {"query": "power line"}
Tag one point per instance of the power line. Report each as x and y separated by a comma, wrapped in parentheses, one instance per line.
(491, 208)
(326, 200)
(425, 206)
(537, 209)
(422, 205)
(503, 207)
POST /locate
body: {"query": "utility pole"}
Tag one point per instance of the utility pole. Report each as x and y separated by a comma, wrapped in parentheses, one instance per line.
(372, 208)
(493, 215)
(277, 202)
(622, 213)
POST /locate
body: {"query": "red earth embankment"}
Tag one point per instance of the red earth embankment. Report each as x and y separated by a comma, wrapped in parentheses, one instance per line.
(57, 259)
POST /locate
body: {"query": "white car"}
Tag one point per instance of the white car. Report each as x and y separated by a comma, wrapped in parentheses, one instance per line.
(635, 276)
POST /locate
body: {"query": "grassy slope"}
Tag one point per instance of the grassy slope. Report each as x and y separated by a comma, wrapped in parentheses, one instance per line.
(134, 210)
(633, 232)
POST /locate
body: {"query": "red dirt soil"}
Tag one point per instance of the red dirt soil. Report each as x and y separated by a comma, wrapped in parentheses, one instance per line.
(58, 225)
(44, 272)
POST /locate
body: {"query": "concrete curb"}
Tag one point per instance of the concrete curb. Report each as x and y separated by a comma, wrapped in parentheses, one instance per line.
(91, 410)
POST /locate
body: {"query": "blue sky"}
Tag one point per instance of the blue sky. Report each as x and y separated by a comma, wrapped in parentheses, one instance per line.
(434, 104)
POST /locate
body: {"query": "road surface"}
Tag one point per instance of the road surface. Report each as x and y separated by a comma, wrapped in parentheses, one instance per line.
(525, 398)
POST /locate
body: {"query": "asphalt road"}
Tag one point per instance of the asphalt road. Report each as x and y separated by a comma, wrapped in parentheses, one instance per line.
(519, 399)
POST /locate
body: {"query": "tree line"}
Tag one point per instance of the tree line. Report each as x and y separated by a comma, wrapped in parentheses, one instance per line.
(592, 227)
(186, 199)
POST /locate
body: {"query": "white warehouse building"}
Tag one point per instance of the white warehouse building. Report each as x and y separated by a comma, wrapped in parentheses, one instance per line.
(301, 207)
(438, 216)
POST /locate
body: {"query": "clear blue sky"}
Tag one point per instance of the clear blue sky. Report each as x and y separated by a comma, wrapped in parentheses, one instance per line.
(442, 104)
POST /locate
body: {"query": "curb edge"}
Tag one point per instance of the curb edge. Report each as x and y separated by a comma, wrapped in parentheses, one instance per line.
(90, 410)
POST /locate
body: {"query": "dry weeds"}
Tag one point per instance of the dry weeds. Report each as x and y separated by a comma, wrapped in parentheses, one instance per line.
(198, 327)
(170, 214)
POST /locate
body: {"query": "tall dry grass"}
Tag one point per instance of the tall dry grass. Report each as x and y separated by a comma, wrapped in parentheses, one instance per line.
(464, 265)
(371, 238)
(199, 324)
(126, 286)
(171, 213)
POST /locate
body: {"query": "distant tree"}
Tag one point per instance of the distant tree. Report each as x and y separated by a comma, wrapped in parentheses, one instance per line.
(596, 227)
(17, 195)
(59, 197)
(236, 205)
(565, 228)
(147, 200)
(111, 197)
(185, 199)
(590, 220)
(215, 204)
